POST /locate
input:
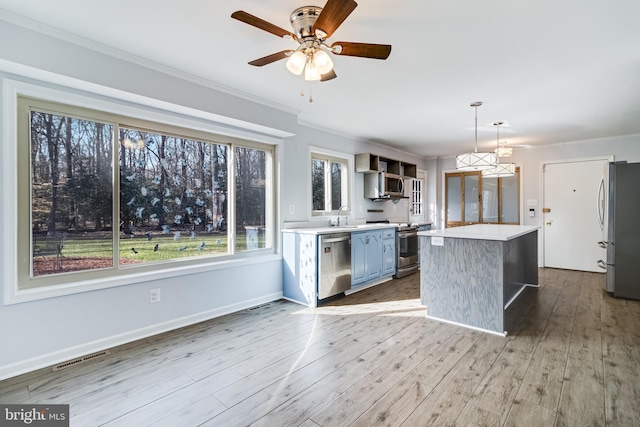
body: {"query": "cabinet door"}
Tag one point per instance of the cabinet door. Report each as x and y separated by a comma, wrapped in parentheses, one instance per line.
(389, 256)
(358, 258)
(374, 254)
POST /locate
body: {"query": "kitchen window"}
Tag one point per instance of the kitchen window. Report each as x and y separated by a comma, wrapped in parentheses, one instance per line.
(101, 195)
(329, 183)
(471, 199)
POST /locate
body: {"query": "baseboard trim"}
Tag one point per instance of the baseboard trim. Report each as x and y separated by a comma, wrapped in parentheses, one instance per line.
(54, 358)
(475, 328)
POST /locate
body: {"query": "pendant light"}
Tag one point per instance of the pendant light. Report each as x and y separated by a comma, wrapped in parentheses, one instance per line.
(500, 170)
(503, 150)
(476, 160)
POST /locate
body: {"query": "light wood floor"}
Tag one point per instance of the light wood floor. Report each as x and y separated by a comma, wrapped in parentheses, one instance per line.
(371, 358)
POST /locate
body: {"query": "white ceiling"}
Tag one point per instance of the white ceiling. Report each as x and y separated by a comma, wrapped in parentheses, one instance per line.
(554, 71)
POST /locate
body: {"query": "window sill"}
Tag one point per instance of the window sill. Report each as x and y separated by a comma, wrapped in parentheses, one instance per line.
(128, 277)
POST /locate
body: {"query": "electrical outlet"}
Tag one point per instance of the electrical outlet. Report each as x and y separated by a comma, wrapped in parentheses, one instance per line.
(154, 296)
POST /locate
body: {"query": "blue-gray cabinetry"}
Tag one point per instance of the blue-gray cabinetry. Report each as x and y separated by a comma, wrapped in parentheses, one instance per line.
(373, 255)
(388, 252)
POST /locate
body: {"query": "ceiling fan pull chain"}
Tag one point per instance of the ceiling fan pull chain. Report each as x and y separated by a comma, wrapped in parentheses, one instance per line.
(310, 92)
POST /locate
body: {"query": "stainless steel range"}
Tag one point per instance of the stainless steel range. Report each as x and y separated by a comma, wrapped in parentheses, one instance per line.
(406, 250)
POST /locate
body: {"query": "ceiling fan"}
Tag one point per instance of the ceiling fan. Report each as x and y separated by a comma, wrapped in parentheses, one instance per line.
(312, 26)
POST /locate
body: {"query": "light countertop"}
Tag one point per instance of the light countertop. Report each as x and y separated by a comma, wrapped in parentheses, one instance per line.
(341, 229)
(482, 232)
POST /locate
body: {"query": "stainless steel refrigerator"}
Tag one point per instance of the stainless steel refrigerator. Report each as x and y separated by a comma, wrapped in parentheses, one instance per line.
(620, 215)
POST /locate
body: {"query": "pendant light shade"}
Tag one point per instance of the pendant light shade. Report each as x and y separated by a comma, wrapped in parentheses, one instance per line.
(504, 151)
(476, 160)
(500, 170)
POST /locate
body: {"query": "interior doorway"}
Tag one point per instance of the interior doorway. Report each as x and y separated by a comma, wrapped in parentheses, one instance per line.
(571, 223)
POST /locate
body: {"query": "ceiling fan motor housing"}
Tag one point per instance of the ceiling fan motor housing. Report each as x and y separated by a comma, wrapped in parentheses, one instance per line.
(303, 20)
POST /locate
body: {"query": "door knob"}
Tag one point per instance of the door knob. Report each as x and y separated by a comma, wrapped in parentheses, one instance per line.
(548, 222)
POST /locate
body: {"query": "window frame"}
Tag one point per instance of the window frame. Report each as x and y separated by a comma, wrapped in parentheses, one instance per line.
(346, 181)
(147, 111)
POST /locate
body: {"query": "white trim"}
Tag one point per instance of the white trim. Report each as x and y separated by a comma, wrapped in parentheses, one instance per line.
(488, 331)
(56, 357)
(359, 288)
(518, 294)
(137, 106)
(12, 295)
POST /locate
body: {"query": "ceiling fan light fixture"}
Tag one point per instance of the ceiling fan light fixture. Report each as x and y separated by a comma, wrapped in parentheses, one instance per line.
(311, 72)
(296, 62)
(476, 161)
(322, 61)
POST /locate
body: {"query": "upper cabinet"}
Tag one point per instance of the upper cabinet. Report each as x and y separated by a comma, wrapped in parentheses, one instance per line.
(373, 163)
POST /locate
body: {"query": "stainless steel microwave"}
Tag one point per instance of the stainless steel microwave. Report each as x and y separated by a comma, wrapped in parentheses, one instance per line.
(383, 185)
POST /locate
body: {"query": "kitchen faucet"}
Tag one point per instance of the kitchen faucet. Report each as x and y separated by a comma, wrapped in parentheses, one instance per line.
(346, 208)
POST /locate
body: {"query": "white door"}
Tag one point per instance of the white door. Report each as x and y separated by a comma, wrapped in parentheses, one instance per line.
(416, 188)
(571, 223)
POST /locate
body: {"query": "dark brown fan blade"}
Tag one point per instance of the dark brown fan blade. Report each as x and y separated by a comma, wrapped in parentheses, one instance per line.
(363, 50)
(248, 18)
(271, 58)
(328, 76)
(333, 14)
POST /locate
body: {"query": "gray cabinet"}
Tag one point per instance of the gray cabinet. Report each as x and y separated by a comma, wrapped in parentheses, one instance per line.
(372, 255)
(373, 163)
(388, 252)
(300, 268)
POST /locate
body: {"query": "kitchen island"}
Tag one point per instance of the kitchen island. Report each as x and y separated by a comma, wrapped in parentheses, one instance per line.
(471, 275)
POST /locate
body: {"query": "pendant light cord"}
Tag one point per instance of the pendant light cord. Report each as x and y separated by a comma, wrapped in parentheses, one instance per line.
(476, 128)
(476, 105)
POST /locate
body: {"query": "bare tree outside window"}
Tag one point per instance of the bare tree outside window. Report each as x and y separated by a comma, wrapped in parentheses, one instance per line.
(71, 196)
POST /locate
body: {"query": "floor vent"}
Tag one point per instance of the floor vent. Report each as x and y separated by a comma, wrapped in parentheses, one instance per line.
(74, 362)
(258, 307)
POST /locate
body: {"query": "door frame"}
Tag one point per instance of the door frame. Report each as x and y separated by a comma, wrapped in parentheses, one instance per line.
(541, 198)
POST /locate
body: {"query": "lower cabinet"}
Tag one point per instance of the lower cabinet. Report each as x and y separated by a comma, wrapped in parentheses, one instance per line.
(388, 252)
(372, 255)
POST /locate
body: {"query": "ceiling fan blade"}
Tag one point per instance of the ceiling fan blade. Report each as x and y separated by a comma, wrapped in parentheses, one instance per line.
(333, 14)
(363, 50)
(271, 58)
(248, 18)
(328, 76)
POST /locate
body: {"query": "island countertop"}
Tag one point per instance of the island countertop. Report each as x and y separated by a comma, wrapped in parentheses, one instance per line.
(502, 232)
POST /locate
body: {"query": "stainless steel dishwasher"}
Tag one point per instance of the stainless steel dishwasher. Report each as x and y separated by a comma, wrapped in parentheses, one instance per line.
(335, 264)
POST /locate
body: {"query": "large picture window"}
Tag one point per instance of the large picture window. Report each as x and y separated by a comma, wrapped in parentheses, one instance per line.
(109, 193)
